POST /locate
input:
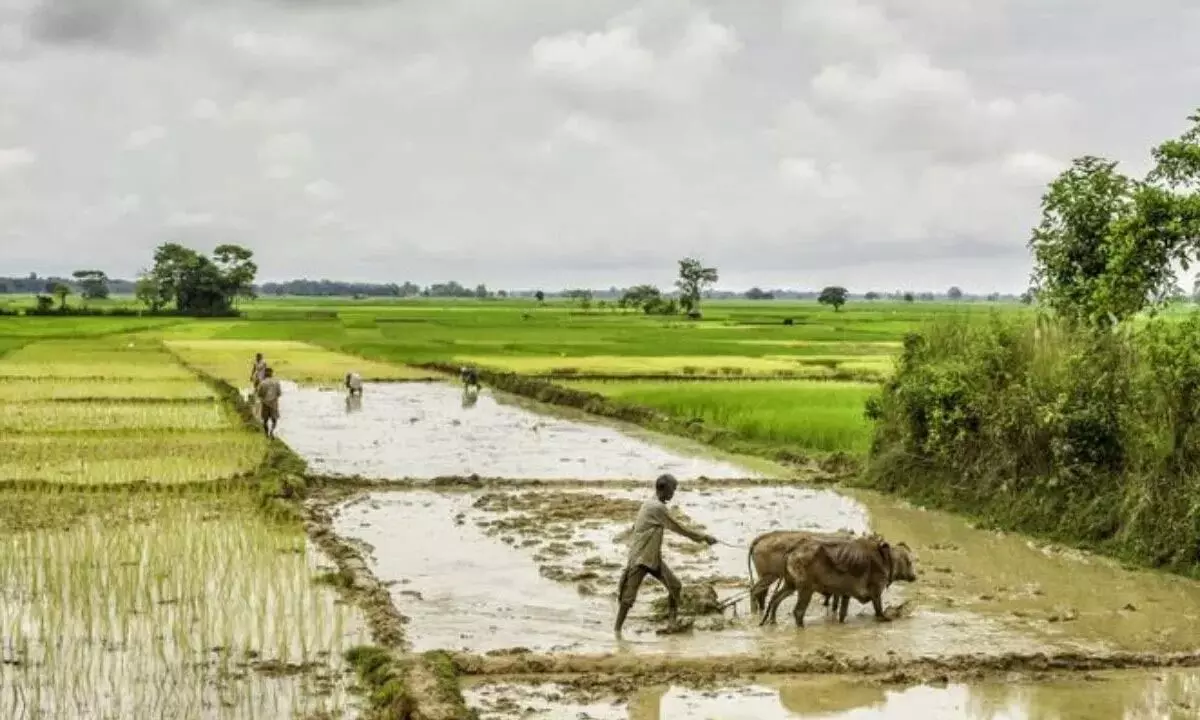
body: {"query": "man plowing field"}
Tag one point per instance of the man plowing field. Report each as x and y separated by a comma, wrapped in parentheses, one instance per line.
(645, 552)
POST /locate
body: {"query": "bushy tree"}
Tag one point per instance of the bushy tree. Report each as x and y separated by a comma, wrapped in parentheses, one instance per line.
(93, 284)
(694, 278)
(61, 291)
(954, 293)
(196, 284)
(872, 295)
(835, 296)
(647, 298)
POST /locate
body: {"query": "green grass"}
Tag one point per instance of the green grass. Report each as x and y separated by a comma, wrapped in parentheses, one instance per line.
(823, 416)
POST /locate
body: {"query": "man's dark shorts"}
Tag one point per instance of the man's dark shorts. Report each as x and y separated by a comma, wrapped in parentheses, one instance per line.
(632, 578)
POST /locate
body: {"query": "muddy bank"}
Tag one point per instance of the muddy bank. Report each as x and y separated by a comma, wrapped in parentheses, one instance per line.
(550, 586)
(1131, 695)
(426, 430)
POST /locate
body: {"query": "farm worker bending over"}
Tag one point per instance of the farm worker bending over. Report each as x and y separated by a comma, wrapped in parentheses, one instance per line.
(268, 392)
(645, 551)
(354, 383)
(470, 376)
(258, 370)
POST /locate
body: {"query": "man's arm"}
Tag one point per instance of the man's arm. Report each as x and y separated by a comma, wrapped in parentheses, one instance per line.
(669, 522)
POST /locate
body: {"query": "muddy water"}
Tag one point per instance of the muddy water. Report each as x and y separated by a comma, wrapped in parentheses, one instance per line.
(1128, 695)
(544, 586)
(425, 430)
(1066, 595)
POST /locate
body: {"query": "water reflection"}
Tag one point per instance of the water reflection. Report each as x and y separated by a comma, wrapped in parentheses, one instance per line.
(353, 403)
(470, 396)
(1129, 695)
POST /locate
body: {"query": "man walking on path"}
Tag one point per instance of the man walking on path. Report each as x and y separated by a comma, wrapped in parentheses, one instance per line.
(258, 371)
(645, 551)
(268, 392)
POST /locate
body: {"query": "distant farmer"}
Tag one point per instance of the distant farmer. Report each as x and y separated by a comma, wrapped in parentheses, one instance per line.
(354, 383)
(268, 392)
(645, 551)
(470, 376)
(258, 370)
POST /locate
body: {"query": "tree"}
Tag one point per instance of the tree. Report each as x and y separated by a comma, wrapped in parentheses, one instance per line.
(581, 296)
(198, 285)
(1107, 245)
(148, 292)
(693, 279)
(834, 295)
(481, 291)
(646, 297)
(908, 297)
(61, 291)
(756, 293)
(954, 293)
(872, 295)
(540, 296)
(93, 284)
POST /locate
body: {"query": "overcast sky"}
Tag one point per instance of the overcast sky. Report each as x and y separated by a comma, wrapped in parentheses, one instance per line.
(877, 144)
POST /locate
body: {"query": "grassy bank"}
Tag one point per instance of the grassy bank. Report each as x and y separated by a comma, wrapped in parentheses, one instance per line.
(1088, 439)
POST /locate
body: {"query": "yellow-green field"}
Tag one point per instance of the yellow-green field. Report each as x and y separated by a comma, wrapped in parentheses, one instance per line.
(231, 360)
(865, 367)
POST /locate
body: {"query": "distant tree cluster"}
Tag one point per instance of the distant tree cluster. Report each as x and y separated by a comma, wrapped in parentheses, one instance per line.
(195, 284)
(335, 288)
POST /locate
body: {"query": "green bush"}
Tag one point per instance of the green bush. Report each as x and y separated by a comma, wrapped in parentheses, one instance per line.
(1089, 437)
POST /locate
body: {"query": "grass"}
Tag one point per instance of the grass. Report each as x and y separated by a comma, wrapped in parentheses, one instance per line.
(164, 607)
(813, 415)
(231, 360)
(102, 459)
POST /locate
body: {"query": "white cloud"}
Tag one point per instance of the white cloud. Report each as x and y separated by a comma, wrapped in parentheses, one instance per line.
(575, 143)
(15, 158)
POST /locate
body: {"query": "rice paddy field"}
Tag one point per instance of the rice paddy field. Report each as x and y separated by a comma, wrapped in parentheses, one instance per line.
(147, 571)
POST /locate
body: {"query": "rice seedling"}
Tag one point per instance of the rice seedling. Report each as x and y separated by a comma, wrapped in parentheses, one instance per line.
(44, 388)
(814, 415)
(299, 362)
(108, 416)
(95, 459)
(167, 607)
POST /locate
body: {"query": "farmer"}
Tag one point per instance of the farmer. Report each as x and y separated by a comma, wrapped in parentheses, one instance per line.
(257, 370)
(268, 392)
(470, 376)
(354, 383)
(645, 551)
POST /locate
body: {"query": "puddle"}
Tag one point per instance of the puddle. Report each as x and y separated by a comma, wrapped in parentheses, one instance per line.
(475, 592)
(169, 608)
(426, 430)
(1128, 695)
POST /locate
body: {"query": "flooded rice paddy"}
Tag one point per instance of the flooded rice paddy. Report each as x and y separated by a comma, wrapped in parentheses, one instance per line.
(427, 430)
(1171, 694)
(167, 608)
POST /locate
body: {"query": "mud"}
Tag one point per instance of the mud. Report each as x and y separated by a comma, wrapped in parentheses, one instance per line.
(549, 585)
(1130, 695)
(422, 430)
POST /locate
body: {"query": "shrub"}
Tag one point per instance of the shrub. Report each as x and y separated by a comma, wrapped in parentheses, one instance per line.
(1090, 437)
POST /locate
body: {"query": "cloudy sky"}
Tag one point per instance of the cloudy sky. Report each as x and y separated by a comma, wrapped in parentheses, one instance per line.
(524, 143)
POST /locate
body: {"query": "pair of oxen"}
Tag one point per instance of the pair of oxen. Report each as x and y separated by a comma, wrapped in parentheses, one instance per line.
(838, 565)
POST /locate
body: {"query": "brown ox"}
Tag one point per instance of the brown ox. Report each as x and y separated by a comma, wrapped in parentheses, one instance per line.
(768, 557)
(859, 568)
